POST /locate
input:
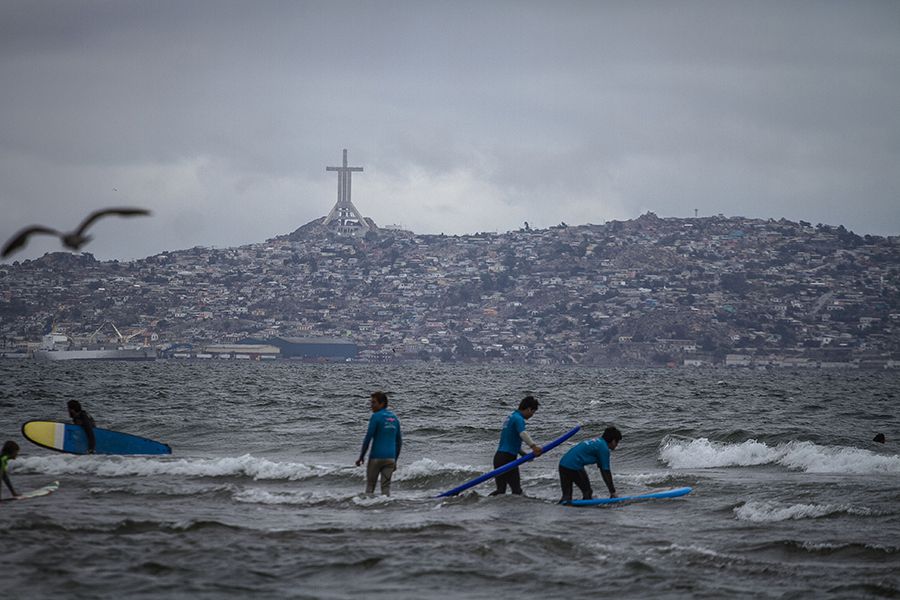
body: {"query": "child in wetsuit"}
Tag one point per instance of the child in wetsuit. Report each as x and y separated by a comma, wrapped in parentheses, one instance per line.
(10, 452)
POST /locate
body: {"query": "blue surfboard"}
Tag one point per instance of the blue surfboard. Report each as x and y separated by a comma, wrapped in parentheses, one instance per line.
(673, 493)
(66, 437)
(508, 466)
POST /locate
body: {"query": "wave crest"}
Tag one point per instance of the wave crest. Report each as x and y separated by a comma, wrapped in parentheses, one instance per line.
(239, 466)
(702, 453)
(770, 512)
(233, 466)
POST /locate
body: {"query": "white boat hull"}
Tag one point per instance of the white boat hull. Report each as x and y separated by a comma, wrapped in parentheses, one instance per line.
(114, 354)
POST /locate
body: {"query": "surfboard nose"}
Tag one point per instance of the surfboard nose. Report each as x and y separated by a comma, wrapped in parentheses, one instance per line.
(45, 433)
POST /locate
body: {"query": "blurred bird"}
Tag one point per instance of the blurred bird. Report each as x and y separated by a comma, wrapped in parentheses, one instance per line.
(73, 239)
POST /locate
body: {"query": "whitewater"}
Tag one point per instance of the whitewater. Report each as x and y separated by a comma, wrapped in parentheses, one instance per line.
(261, 497)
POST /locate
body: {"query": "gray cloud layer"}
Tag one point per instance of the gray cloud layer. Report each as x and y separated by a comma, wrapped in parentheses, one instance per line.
(467, 116)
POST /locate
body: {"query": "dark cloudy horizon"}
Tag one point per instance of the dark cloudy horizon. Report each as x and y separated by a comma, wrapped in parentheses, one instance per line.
(221, 117)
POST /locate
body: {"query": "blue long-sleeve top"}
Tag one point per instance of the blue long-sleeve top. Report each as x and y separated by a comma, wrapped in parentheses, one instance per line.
(510, 436)
(384, 434)
(586, 453)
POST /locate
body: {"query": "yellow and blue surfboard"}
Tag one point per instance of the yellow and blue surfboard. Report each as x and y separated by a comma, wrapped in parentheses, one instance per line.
(66, 437)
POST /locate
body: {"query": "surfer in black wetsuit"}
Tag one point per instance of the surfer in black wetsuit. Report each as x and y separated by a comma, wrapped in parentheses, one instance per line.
(81, 417)
(10, 452)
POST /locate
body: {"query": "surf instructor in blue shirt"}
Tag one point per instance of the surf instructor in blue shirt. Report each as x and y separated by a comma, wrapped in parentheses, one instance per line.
(573, 462)
(386, 439)
(511, 438)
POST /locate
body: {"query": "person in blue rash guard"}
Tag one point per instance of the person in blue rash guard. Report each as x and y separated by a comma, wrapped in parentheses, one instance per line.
(386, 439)
(10, 452)
(511, 438)
(572, 465)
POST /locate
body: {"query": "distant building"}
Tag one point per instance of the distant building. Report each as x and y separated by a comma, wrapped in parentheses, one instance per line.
(239, 351)
(738, 360)
(310, 348)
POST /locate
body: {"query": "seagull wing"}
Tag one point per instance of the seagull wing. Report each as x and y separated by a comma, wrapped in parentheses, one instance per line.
(122, 212)
(19, 240)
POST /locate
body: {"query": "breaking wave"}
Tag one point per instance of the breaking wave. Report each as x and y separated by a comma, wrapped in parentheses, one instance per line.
(239, 466)
(425, 468)
(771, 512)
(701, 453)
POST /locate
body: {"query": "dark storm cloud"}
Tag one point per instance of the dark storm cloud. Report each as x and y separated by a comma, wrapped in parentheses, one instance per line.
(467, 116)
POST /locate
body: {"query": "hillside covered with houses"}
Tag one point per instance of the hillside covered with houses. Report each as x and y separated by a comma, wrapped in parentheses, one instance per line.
(714, 291)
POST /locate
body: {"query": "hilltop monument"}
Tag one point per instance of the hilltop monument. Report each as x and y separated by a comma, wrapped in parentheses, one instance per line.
(344, 218)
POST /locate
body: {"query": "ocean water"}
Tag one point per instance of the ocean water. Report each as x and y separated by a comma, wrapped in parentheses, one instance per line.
(261, 498)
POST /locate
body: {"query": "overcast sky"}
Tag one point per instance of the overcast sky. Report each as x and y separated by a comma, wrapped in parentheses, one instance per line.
(221, 116)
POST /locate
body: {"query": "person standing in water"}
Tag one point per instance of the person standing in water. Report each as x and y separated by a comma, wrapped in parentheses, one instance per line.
(511, 438)
(572, 465)
(10, 452)
(386, 438)
(81, 417)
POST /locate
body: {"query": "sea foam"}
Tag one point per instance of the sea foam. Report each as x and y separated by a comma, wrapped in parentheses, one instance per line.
(259, 496)
(118, 466)
(770, 512)
(237, 466)
(701, 453)
(427, 467)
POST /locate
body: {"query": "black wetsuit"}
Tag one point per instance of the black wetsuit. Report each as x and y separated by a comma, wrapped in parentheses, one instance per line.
(87, 423)
(4, 465)
(511, 478)
(567, 477)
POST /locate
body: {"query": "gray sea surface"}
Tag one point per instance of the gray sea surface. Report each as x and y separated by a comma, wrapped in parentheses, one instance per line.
(261, 497)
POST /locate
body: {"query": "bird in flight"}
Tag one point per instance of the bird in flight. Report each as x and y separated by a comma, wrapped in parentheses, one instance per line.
(72, 239)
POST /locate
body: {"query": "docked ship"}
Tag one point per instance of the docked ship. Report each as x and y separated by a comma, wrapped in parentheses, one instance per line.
(58, 346)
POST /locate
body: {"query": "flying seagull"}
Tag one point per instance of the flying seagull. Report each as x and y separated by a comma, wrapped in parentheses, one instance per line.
(73, 239)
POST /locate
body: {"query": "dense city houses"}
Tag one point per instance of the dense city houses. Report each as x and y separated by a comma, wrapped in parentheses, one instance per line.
(712, 291)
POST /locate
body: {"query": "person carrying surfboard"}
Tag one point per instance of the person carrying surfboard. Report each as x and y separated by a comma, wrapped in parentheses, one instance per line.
(10, 452)
(81, 417)
(572, 464)
(387, 440)
(511, 438)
